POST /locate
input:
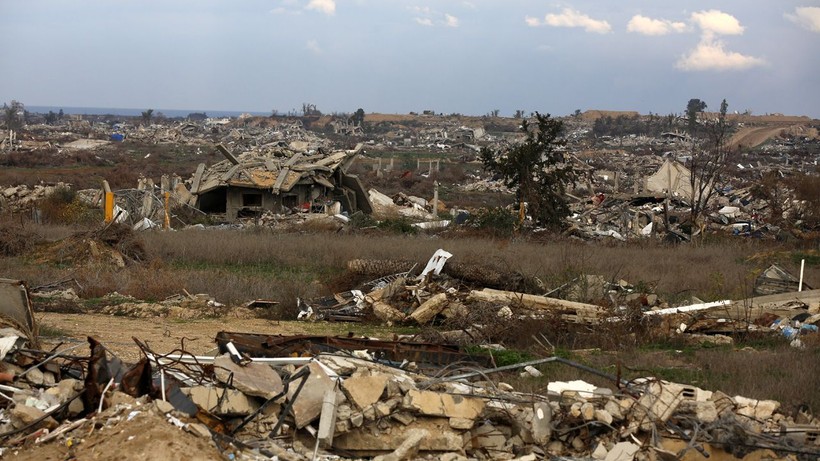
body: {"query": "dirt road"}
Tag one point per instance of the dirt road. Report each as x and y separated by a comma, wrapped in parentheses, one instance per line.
(753, 136)
(162, 334)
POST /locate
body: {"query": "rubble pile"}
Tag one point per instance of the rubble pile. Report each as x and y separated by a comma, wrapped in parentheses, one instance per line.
(458, 294)
(485, 185)
(20, 198)
(401, 205)
(438, 292)
(352, 404)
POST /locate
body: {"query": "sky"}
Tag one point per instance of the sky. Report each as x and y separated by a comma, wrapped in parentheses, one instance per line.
(398, 56)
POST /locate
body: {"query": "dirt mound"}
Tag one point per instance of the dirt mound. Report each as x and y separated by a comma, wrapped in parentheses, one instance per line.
(129, 433)
(592, 115)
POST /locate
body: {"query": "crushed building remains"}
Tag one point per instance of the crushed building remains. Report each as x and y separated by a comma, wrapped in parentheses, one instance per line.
(248, 184)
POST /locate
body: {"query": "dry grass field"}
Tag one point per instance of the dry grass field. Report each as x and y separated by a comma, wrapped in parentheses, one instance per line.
(235, 266)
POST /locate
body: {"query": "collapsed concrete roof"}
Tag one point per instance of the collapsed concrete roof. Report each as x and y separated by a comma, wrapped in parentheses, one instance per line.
(279, 172)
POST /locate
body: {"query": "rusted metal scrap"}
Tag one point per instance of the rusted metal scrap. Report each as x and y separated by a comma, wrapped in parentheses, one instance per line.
(100, 371)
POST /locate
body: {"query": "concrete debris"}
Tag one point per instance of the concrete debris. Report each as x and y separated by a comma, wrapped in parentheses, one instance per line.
(351, 407)
(366, 397)
(255, 379)
(449, 291)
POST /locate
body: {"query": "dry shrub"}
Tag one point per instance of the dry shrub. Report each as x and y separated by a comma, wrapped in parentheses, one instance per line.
(122, 238)
(323, 225)
(15, 240)
(63, 206)
(150, 283)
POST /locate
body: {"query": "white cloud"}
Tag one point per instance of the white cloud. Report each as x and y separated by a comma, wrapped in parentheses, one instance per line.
(648, 26)
(532, 22)
(313, 46)
(572, 18)
(428, 17)
(420, 9)
(807, 17)
(717, 22)
(710, 54)
(322, 6)
(287, 7)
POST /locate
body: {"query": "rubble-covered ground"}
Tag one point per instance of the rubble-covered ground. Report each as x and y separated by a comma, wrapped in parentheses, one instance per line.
(402, 335)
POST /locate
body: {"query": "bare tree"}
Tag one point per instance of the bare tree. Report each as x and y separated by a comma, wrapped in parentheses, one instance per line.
(309, 109)
(710, 163)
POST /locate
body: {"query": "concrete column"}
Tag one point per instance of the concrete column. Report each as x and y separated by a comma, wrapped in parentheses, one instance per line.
(435, 198)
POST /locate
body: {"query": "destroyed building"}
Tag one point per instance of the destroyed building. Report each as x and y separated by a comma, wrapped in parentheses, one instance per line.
(281, 181)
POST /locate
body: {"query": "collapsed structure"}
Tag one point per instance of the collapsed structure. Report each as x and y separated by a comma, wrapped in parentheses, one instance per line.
(249, 184)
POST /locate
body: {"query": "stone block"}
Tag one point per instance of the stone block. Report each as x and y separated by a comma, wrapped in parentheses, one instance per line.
(657, 404)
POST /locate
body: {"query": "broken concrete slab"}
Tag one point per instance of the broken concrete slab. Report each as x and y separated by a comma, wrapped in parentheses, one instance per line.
(221, 401)
(256, 379)
(622, 451)
(365, 390)
(15, 305)
(463, 424)
(758, 409)
(489, 438)
(408, 449)
(656, 405)
(24, 415)
(307, 405)
(373, 441)
(440, 404)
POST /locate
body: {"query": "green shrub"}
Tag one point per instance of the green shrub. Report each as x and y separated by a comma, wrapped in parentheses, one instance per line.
(397, 225)
(497, 221)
